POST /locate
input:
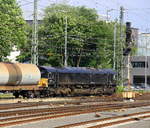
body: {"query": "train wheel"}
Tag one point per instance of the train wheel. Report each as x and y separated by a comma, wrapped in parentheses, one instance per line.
(27, 94)
(36, 94)
(16, 94)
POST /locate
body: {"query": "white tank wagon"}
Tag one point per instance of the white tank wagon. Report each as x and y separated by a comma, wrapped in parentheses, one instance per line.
(19, 74)
(21, 79)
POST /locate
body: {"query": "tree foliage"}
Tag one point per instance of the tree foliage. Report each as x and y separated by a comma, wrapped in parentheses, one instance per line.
(12, 27)
(90, 39)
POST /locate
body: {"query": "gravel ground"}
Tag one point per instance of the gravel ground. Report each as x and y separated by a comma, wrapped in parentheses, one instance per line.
(7, 101)
(26, 108)
(85, 117)
(114, 97)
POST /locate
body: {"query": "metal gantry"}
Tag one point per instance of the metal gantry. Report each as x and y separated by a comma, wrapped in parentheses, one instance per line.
(121, 42)
(66, 57)
(34, 49)
(115, 39)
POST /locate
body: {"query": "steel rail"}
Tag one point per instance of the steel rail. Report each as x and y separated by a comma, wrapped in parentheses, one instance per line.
(60, 113)
(100, 107)
(102, 121)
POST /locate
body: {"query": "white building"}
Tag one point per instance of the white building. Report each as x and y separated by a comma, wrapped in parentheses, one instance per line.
(13, 55)
(143, 46)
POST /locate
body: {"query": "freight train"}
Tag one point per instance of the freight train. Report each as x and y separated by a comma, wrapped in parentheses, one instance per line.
(29, 80)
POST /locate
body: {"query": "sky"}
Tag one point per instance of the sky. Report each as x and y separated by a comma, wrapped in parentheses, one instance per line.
(136, 11)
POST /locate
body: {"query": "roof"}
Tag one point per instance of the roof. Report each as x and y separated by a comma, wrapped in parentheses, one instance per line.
(77, 70)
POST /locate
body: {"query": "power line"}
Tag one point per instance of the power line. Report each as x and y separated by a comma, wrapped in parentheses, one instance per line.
(142, 16)
(137, 9)
(26, 4)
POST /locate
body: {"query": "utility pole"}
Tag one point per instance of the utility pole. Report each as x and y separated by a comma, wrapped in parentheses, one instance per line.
(129, 71)
(66, 57)
(146, 63)
(34, 49)
(115, 38)
(121, 42)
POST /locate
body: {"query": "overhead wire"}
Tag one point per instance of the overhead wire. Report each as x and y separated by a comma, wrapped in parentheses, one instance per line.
(143, 18)
(76, 37)
(24, 3)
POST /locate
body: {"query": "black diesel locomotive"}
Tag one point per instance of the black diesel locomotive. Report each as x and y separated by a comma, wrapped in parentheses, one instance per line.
(73, 81)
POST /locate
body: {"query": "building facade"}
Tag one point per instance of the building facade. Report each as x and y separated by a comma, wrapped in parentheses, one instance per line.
(140, 63)
(143, 45)
(139, 70)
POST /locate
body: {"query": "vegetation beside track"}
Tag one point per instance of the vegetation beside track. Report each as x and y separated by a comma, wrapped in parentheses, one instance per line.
(6, 95)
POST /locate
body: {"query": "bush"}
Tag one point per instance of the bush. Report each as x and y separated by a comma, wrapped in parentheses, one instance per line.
(120, 89)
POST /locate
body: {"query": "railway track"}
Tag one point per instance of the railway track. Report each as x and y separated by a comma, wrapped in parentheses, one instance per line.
(23, 116)
(106, 122)
(41, 103)
(22, 103)
(26, 105)
(100, 107)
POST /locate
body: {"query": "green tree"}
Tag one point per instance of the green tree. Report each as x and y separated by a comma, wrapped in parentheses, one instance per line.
(52, 32)
(90, 39)
(12, 27)
(87, 36)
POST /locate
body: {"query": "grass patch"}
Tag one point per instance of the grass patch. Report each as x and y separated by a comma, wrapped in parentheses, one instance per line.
(120, 89)
(142, 91)
(6, 95)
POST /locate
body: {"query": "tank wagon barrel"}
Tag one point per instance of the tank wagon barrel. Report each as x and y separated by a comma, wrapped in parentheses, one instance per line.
(19, 74)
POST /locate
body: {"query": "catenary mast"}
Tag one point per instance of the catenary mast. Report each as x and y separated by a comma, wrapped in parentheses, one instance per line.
(34, 49)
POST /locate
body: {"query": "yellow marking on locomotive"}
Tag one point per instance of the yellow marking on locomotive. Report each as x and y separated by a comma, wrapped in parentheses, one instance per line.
(43, 82)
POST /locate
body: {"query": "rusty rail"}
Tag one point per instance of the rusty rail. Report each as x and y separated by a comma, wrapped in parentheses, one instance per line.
(109, 119)
(49, 113)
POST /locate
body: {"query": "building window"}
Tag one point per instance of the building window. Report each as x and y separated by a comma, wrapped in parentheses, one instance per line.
(139, 64)
(138, 79)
